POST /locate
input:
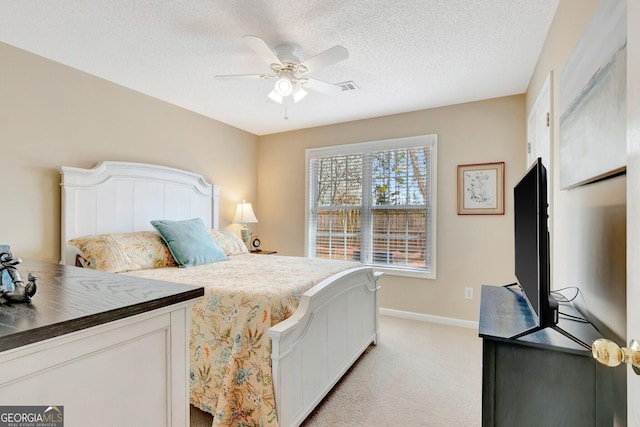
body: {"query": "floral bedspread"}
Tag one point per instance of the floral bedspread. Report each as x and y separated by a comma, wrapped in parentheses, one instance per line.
(230, 364)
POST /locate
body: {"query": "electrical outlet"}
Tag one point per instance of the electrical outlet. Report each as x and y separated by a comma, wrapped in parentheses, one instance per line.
(468, 293)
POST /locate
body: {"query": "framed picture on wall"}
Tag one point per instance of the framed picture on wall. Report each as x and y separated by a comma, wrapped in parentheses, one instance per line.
(593, 99)
(481, 189)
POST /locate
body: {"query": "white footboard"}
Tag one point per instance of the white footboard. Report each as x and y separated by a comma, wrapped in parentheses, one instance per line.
(336, 321)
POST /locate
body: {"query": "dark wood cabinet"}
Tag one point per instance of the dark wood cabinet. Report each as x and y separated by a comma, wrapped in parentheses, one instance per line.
(545, 378)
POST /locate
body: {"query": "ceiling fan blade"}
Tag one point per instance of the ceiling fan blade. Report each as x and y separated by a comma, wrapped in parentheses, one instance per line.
(323, 59)
(243, 77)
(263, 50)
(320, 86)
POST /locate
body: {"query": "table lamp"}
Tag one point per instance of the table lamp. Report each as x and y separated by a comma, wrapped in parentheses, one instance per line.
(244, 215)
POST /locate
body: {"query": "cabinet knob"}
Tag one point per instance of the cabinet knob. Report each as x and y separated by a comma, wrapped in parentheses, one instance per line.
(609, 353)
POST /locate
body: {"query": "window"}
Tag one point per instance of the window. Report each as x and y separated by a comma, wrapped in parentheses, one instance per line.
(374, 202)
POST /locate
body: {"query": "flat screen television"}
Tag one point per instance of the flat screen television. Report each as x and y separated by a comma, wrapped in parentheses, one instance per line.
(532, 258)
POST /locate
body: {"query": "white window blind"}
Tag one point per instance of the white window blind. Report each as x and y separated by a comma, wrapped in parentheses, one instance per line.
(374, 202)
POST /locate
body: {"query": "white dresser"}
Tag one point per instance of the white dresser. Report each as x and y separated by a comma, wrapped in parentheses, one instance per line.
(111, 350)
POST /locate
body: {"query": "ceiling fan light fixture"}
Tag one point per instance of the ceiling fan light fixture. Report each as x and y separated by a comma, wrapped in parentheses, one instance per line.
(275, 96)
(284, 85)
(298, 93)
(289, 73)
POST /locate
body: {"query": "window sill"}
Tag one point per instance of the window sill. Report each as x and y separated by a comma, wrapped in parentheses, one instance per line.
(405, 272)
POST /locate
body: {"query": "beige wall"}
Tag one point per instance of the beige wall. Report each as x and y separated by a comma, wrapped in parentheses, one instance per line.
(472, 250)
(52, 115)
(589, 222)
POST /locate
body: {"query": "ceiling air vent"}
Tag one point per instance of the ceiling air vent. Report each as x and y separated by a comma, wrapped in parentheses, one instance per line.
(347, 86)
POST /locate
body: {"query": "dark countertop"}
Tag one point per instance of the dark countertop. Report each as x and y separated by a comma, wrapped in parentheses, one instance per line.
(69, 299)
(504, 313)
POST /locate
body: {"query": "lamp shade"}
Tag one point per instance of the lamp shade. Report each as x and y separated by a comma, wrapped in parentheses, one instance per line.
(244, 214)
(275, 97)
(298, 93)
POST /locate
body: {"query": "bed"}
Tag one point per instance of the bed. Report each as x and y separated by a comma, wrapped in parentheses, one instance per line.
(272, 335)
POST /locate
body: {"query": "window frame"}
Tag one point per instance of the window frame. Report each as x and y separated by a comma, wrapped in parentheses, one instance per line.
(430, 141)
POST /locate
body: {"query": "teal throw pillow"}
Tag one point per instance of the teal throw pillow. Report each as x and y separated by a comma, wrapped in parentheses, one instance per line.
(189, 242)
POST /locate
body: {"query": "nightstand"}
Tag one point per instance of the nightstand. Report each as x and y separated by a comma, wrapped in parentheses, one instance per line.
(264, 252)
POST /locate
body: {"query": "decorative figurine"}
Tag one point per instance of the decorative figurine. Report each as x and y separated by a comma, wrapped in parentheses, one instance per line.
(16, 291)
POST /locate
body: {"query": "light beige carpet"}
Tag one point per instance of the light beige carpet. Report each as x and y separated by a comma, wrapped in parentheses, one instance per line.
(419, 374)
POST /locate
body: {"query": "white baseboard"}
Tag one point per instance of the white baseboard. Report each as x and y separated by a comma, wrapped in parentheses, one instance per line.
(429, 318)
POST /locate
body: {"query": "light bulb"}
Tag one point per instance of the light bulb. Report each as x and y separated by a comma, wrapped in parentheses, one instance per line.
(283, 86)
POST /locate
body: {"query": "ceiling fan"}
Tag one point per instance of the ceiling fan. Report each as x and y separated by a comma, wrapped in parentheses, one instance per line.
(289, 73)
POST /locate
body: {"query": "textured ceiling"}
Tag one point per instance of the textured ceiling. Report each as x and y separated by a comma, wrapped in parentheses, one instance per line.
(403, 55)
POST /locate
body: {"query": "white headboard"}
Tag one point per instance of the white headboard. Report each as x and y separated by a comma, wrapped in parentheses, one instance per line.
(121, 197)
